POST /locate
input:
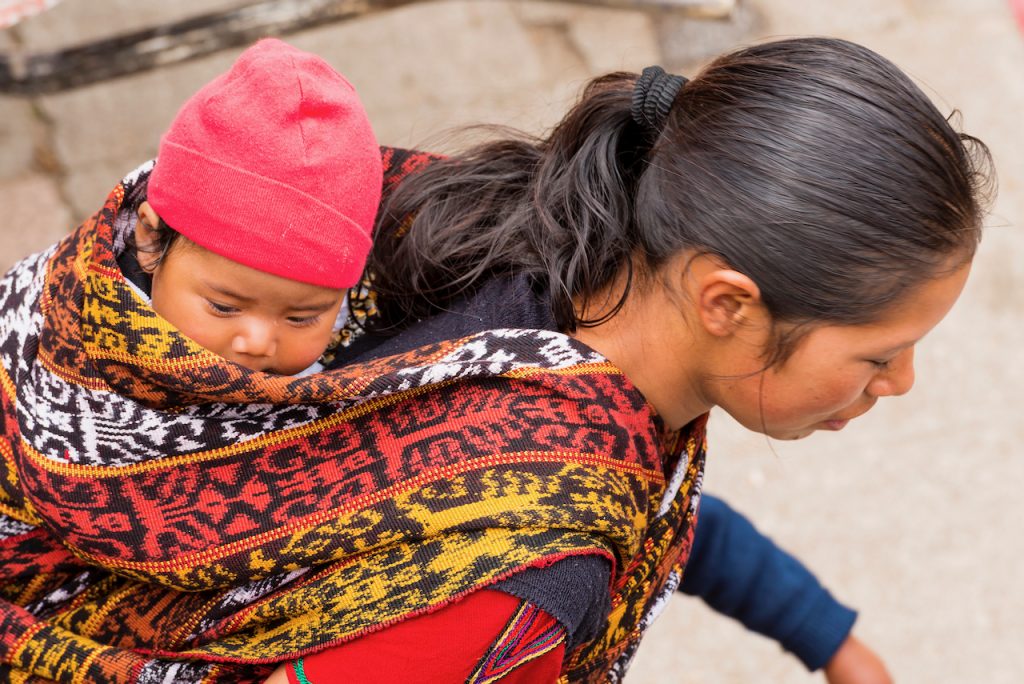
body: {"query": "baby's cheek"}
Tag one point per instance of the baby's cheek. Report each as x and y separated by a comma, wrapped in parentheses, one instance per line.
(205, 334)
(301, 354)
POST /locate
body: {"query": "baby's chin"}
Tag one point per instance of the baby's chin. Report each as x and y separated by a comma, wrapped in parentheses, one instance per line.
(276, 371)
(254, 365)
(269, 371)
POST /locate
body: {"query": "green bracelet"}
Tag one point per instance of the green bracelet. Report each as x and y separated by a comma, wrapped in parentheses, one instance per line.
(300, 672)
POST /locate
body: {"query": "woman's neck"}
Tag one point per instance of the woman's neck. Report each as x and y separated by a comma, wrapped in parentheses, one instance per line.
(652, 343)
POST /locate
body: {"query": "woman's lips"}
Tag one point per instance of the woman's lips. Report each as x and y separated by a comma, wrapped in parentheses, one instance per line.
(840, 423)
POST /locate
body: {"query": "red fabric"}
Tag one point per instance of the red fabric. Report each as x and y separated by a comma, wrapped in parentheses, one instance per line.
(443, 646)
(1017, 6)
(274, 165)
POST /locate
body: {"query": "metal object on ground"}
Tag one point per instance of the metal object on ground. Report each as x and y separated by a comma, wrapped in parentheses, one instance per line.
(51, 72)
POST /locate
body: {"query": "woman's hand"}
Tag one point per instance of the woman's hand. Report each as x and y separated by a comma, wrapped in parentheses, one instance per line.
(855, 663)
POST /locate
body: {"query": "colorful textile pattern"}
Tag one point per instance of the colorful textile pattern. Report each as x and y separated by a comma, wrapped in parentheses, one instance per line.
(166, 515)
(361, 307)
(529, 634)
(643, 587)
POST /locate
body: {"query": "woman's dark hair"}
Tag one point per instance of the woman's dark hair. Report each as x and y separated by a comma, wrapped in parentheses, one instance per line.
(814, 166)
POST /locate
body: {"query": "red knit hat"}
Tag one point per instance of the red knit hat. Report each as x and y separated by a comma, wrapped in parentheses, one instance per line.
(274, 165)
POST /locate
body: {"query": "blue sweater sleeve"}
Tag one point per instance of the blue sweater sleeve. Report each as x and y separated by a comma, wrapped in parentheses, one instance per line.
(741, 573)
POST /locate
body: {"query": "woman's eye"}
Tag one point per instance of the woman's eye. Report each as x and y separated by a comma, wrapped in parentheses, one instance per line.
(222, 309)
(881, 365)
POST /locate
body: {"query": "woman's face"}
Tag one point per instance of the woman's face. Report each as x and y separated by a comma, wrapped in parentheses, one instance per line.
(837, 372)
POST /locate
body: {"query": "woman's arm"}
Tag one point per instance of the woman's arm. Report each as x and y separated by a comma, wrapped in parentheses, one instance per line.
(741, 573)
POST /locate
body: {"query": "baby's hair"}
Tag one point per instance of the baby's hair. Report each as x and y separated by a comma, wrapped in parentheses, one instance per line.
(814, 166)
(163, 236)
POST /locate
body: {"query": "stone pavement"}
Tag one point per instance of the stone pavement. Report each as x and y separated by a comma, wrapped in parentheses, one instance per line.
(912, 514)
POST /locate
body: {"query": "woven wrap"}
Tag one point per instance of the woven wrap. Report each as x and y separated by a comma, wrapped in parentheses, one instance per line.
(167, 515)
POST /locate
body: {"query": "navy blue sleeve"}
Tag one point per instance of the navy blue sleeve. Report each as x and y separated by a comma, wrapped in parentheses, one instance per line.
(741, 573)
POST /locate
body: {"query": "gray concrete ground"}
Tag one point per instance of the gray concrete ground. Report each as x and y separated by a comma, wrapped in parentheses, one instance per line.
(912, 514)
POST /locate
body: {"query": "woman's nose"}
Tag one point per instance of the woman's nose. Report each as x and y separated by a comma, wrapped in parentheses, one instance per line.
(897, 379)
(255, 338)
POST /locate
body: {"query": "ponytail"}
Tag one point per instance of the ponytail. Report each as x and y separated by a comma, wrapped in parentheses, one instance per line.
(814, 166)
(559, 210)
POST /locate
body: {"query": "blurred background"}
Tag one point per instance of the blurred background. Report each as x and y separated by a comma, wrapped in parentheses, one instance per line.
(913, 514)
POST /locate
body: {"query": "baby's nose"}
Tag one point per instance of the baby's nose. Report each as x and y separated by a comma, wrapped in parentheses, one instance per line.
(255, 338)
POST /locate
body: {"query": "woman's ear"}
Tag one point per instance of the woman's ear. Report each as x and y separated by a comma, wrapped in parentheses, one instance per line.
(727, 300)
(145, 236)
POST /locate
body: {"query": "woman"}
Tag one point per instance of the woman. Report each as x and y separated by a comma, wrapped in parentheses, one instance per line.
(514, 454)
(772, 237)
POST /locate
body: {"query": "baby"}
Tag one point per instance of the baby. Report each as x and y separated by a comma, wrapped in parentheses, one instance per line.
(259, 211)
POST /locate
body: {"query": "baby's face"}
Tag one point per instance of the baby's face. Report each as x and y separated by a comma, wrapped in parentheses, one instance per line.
(258, 320)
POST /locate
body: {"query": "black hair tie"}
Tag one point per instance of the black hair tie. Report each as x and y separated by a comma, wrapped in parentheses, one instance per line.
(653, 95)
